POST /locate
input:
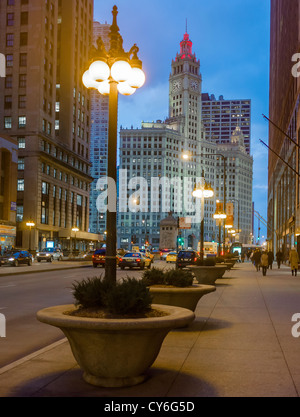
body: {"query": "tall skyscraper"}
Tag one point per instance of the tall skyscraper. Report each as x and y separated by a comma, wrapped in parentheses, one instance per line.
(284, 186)
(46, 107)
(99, 139)
(155, 153)
(221, 117)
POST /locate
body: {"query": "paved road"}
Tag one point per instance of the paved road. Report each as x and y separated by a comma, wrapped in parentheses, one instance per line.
(22, 295)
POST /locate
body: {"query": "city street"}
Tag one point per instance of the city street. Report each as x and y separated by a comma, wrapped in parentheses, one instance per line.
(22, 295)
(243, 343)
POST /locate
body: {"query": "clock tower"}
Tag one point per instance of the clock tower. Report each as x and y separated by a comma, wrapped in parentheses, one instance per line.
(185, 87)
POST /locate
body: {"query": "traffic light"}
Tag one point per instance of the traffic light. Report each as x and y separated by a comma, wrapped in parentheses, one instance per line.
(180, 241)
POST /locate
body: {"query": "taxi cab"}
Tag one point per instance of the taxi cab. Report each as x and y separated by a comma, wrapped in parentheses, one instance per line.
(171, 257)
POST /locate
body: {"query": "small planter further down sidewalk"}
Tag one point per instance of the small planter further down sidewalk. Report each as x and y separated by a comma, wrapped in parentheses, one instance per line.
(207, 275)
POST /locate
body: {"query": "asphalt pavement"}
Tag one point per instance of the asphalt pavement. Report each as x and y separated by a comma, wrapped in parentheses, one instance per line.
(242, 343)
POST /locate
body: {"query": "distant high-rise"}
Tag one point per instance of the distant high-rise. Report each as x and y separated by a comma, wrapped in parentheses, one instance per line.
(47, 108)
(221, 117)
(99, 139)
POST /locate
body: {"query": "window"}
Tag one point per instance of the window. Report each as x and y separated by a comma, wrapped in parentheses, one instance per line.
(45, 188)
(24, 18)
(7, 122)
(8, 81)
(20, 213)
(22, 122)
(23, 60)
(8, 102)
(21, 143)
(10, 19)
(22, 102)
(21, 185)
(23, 38)
(21, 164)
(9, 60)
(9, 39)
(22, 80)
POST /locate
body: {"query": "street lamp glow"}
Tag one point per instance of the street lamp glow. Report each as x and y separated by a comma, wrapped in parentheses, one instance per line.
(120, 71)
(137, 78)
(99, 71)
(219, 216)
(75, 229)
(30, 224)
(88, 82)
(125, 89)
(104, 88)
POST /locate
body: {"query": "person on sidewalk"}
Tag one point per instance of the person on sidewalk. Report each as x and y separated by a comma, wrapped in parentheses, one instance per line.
(294, 261)
(279, 258)
(256, 259)
(264, 261)
(271, 259)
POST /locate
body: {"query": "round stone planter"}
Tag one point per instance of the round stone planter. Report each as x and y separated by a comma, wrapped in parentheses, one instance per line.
(187, 297)
(116, 352)
(207, 275)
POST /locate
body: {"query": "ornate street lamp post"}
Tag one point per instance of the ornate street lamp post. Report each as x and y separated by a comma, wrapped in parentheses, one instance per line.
(220, 215)
(112, 72)
(203, 190)
(30, 224)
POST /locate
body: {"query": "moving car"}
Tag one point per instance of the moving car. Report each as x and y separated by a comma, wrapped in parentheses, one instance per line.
(187, 257)
(171, 257)
(16, 258)
(98, 258)
(134, 260)
(49, 255)
(148, 254)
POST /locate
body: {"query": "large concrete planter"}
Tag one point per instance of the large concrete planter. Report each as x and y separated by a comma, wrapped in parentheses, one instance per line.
(187, 297)
(207, 275)
(116, 352)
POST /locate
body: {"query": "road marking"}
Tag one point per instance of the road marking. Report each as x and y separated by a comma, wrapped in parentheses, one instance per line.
(31, 356)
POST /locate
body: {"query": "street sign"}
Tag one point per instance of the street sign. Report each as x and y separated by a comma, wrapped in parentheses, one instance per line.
(185, 223)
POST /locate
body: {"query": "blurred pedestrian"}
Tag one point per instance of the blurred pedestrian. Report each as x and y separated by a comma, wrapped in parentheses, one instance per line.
(271, 259)
(279, 258)
(264, 261)
(256, 259)
(294, 261)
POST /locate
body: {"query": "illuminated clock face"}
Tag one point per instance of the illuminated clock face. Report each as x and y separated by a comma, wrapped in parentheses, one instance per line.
(194, 85)
(176, 85)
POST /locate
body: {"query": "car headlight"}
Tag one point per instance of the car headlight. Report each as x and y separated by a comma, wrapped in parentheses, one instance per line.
(47, 254)
(11, 259)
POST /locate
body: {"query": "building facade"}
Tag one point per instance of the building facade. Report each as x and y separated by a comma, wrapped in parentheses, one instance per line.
(8, 192)
(155, 179)
(284, 186)
(99, 140)
(221, 117)
(47, 109)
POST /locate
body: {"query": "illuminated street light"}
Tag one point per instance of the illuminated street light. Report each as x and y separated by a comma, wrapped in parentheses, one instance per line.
(113, 72)
(30, 224)
(202, 191)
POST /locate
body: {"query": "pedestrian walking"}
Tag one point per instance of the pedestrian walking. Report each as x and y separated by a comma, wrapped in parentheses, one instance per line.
(256, 259)
(279, 258)
(271, 259)
(264, 262)
(294, 261)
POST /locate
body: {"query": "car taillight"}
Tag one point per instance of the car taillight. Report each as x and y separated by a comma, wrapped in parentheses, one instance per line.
(120, 259)
(195, 260)
(138, 260)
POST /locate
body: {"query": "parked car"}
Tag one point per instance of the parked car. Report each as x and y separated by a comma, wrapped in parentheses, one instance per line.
(49, 255)
(164, 253)
(134, 260)
(187, 257)
(171, 257)
(16, 258)
(98, 258)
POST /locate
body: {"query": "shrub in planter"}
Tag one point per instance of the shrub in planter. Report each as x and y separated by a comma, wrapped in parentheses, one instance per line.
(206, 262)
(173, 277)
(129, 297)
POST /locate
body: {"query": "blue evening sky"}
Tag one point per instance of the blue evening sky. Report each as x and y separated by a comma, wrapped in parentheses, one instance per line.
(231, 38)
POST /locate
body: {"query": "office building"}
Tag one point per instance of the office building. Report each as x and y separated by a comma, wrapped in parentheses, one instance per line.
(99, 139)
(8, 191)
(284, 191)
(46, 108)
(221, 117)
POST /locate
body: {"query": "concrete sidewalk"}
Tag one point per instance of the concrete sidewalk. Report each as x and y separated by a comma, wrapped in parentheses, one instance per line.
(42, 267)
(240, 345)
